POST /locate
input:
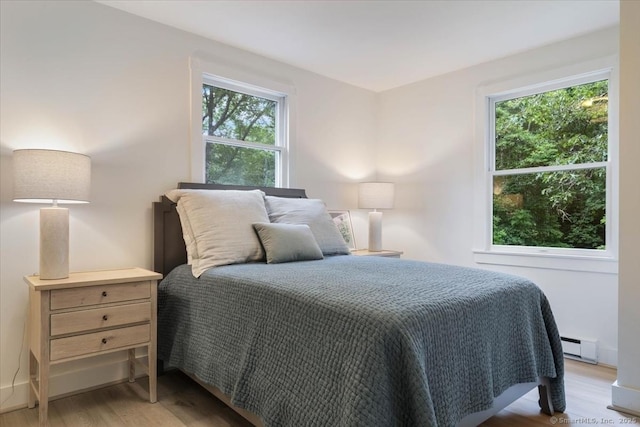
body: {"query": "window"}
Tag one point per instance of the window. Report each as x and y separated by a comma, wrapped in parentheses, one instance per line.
(548, 175)
(241, 124)
(242, 131)
(549, 170)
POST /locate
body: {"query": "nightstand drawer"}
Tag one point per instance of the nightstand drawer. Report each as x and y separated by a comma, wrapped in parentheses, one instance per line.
(92, 295)
(98, 318)
(79, 345)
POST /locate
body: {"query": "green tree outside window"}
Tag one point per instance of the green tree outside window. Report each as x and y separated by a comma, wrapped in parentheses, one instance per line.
(240, 135)
(535, 206)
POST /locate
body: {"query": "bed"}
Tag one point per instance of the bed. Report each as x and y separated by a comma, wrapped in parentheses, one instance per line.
(353, 341)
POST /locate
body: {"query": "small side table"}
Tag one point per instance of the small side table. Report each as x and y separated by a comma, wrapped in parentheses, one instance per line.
(88, 314)
(384, 253)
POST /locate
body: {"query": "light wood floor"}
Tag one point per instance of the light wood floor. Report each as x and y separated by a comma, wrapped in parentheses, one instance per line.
(181, 402)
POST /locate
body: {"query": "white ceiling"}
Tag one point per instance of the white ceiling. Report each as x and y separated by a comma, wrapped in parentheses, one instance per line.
(379, 45)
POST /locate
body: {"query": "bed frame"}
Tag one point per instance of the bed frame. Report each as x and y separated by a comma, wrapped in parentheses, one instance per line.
(170, 252)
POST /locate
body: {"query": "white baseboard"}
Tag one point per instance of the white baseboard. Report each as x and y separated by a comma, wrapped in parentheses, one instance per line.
(625, 399)
(72, 379)
(608, 356)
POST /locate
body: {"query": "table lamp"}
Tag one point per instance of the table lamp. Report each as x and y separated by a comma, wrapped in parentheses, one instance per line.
(57, 177)
(375, 195)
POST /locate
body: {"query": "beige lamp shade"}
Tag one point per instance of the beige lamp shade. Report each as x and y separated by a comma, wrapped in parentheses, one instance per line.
(375, 195)
(48, 176)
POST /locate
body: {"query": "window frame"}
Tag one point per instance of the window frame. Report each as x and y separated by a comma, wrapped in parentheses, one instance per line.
(216, 74)
(577, 259)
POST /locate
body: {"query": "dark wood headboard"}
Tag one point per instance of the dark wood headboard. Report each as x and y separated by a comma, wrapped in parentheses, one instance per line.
(169, 250)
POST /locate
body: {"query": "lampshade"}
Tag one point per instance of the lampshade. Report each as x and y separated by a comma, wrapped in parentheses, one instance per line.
(375, 195)
(45, 176)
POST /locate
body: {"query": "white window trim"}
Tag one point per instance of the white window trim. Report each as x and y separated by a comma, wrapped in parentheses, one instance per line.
(206, 71)
(550, 258)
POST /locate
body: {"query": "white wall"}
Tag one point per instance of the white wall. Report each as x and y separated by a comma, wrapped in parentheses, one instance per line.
(84, 77)
(426, 145)
(626, 390)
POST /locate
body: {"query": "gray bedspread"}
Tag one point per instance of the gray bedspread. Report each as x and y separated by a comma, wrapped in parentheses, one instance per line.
(359, 341)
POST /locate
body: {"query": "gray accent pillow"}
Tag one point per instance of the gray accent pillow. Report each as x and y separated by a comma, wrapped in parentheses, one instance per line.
(313, 213)
(287, 242)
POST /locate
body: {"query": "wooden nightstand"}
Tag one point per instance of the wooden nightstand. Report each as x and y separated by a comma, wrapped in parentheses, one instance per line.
(87, 314)
(384, 253)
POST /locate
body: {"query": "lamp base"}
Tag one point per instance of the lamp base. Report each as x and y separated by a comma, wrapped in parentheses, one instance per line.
(375, 231)
(54, 243)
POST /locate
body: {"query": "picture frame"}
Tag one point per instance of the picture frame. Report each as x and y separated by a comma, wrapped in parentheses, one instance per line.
(342, 219)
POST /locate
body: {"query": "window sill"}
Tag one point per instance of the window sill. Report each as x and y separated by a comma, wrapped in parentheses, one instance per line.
(591, 264)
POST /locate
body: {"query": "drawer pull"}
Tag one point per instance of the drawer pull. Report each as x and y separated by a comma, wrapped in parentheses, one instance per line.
(105, 317)
(104, 340)
(104, 293)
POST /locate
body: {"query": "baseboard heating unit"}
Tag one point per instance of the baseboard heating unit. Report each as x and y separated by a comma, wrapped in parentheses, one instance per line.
(579, 349)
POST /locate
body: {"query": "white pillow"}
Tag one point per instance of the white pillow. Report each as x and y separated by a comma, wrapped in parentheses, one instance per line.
(312, 212)
(217, 226)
